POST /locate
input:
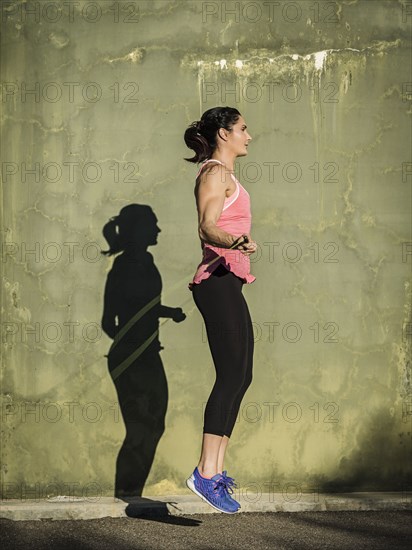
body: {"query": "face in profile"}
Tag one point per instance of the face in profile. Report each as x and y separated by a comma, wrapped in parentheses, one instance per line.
(239, 138)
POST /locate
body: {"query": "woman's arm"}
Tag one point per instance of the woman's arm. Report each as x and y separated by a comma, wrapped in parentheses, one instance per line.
(210, 202)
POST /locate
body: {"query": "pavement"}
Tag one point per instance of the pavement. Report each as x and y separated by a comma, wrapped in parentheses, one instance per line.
(360, 530)
(372, 521)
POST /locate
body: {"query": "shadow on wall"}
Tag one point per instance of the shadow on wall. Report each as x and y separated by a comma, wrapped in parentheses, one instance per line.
(381, 459)
(132, 297)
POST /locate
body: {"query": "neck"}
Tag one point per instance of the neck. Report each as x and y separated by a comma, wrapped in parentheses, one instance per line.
(228, 159)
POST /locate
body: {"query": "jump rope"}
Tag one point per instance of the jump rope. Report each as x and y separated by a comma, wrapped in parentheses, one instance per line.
(129, 360)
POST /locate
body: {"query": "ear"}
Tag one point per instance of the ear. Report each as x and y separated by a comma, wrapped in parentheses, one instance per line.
(222, 133)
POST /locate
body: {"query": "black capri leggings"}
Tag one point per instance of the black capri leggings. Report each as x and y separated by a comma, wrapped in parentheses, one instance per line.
(230, 335)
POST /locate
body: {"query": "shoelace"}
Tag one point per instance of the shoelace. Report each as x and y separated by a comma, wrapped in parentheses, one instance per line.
(220, 487)
(229, 482)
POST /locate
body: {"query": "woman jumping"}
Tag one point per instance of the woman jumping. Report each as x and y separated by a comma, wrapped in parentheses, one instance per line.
(224, 217)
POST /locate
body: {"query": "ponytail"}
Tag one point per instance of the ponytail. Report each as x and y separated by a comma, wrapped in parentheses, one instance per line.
(200, 136)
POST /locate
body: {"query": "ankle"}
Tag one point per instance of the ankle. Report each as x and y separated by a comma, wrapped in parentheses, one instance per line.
(206, 471)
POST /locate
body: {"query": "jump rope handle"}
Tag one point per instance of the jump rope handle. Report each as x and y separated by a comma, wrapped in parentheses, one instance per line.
(240, 240)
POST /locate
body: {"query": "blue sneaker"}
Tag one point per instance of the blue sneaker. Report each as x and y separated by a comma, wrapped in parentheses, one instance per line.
(213, 491)
(230, 482)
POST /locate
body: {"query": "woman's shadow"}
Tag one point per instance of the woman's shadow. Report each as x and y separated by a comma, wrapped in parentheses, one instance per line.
(132, 307)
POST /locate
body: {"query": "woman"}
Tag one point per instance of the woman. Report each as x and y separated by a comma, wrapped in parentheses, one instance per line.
(223, 206)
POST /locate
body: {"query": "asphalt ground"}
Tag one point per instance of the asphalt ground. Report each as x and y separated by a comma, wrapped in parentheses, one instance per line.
(351, 530)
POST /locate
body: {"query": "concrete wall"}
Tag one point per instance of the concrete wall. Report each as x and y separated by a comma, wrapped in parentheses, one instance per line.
(326, 94)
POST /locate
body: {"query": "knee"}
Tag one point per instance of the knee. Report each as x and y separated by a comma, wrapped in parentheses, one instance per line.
(243, 383)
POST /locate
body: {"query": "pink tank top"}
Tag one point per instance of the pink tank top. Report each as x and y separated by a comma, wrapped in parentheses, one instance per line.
(235, 219)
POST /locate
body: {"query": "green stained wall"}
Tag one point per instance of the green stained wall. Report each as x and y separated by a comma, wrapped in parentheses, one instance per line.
(325, 89)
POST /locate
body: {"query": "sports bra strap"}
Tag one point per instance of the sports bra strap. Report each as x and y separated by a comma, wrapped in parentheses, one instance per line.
(205, 162)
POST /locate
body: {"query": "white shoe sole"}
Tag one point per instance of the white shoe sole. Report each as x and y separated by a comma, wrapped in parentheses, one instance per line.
(190, 482)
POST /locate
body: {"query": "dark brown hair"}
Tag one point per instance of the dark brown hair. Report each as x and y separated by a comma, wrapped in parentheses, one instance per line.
(201, 134)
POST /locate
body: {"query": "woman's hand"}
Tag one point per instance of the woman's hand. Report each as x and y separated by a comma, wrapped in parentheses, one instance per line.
(248, 248)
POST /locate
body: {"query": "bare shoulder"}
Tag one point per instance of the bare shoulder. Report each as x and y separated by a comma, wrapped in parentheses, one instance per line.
(213, 169)
(215, 178)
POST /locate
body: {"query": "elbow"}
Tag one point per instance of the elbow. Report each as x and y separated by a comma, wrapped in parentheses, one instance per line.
(204, 229)
(201, 232)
